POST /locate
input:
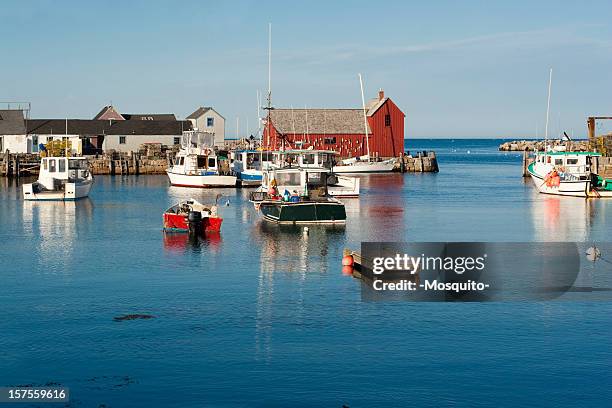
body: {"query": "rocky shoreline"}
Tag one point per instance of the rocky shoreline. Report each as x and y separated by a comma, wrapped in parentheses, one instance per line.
(538, 145)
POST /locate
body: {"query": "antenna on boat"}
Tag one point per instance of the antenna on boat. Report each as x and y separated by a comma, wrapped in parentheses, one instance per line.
(547, 114)
(365, 118)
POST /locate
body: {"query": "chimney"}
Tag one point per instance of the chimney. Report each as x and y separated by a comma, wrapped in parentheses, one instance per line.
(381, 94)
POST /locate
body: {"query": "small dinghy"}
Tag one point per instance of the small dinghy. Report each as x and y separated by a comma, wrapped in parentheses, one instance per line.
(193, 217)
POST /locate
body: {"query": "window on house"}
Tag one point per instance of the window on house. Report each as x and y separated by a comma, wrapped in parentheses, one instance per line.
(558, 162)
(329, 140)
(210, 122)
(62, 165)
(177, 140)
(387, 120)
(52, 166)
(34, 144)
(45, 164)
(121, 139)
(572, 161)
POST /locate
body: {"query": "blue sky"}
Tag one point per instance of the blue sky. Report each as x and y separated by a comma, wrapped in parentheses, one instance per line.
(457, 69)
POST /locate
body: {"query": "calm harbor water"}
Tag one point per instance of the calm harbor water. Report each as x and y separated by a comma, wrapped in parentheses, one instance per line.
(262, 316)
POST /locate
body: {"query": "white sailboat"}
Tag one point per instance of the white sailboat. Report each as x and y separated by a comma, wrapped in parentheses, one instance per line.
(197, 165)
(364, 164)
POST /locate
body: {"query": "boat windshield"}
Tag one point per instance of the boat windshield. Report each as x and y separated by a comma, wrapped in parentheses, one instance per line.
(316, 179)
(77, 164)
(288, 179)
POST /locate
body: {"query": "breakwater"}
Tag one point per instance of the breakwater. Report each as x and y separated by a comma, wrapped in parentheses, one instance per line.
(538, 145)
(420, 162)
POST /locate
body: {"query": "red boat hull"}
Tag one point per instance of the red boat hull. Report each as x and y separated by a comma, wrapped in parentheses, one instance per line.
(178, 223)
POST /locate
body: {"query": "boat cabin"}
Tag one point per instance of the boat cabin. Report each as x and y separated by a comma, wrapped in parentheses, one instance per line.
(305, 158)
(577, 164)
(303, 182)
(257, 160)
(62, 168)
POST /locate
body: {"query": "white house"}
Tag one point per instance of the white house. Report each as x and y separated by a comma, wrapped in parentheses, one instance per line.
(12, 132)
(207, 119)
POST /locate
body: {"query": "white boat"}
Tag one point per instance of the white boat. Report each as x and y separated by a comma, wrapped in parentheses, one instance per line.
(197, 165)
(249, 166)
(60, 178)
(336, 185)
(364, 165)
(562, 173)
(323, 160)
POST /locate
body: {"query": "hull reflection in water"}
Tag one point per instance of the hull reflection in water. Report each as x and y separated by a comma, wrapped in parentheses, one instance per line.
(557, 218)
(180, 243)
(55, 226)
(294, 253)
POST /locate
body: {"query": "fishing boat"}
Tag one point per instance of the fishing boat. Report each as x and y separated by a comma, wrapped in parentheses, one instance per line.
(566, 173)
(323, 160)
(563, 173)
(60, 178)
(249, 165)
(197, 165)
(298, 196)
(192, 216)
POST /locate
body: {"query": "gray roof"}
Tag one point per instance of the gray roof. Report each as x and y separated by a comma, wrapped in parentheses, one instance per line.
(12, 122)
(320, 121)
(95, 127)
(149, 116)
(199, 112)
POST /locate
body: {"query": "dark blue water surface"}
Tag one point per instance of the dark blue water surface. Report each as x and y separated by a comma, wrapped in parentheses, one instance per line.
(262, 316)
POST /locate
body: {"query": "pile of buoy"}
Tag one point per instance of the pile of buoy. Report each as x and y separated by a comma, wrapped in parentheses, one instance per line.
(552, 179)
(347, 265)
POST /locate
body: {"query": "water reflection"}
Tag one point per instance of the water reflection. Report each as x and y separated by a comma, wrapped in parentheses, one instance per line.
(55, 227)
(291, 251)
(557, 218)
(180, 243)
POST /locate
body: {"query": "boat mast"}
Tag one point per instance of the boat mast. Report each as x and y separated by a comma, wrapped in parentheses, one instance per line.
(269, 107)
(365, 118)
(547, 114)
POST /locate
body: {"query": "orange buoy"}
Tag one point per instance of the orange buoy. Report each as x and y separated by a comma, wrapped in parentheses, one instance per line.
(347, 270)
(347, 260)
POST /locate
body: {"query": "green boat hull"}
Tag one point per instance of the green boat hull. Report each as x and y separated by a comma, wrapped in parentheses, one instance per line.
(304, 212)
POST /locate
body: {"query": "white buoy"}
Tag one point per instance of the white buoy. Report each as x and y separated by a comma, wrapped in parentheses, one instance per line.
(593, 254)
(305, 230)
